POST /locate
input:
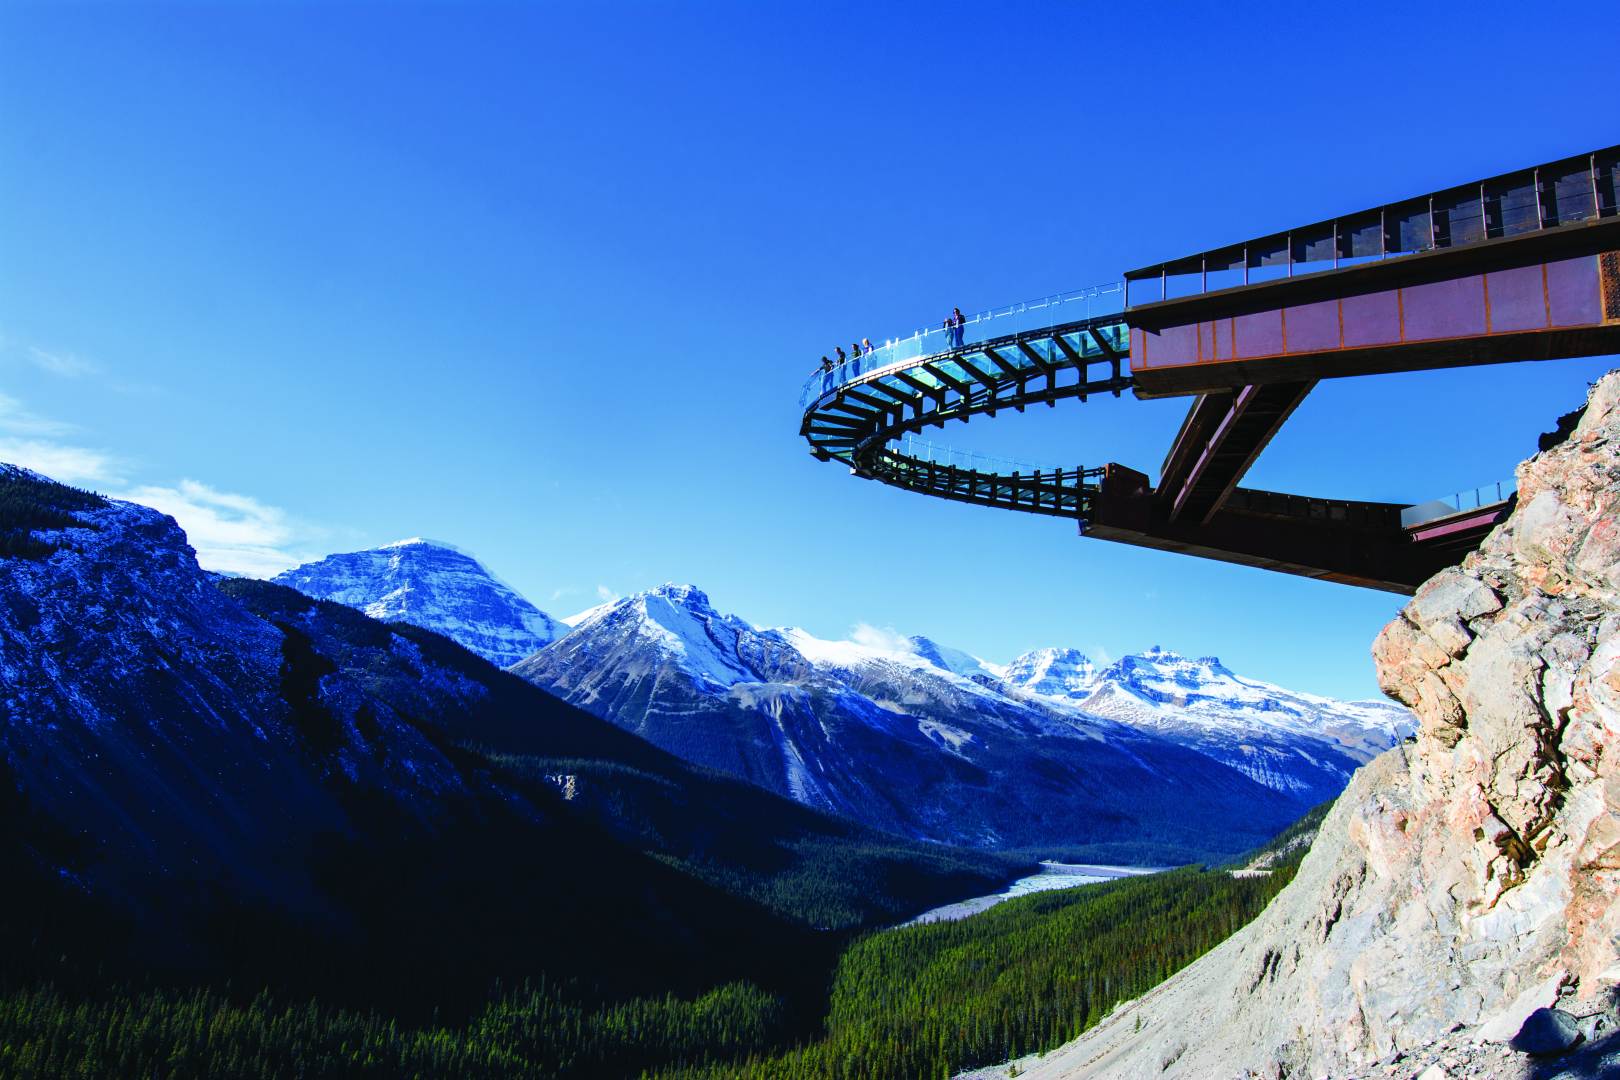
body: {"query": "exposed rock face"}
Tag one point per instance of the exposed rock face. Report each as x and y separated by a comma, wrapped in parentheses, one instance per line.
(1464, 880)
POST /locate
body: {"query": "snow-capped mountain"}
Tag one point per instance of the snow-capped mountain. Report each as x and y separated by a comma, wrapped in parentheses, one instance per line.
(1300, 744)
(1051, 673)
(930, 741)
(906, 735)
(435, 586)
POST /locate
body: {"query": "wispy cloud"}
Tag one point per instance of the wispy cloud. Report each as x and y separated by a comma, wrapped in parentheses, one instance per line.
(65, 365)
(16, 420)
(881, 638)
(231, 532)
(605, 594)
(78, 465)
(36, 442)
(234, 533)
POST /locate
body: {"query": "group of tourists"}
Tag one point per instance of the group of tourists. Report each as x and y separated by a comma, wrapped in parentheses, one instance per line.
(955, 329)
(857, 349)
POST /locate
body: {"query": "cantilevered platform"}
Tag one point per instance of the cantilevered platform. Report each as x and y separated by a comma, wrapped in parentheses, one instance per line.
(1517, 267)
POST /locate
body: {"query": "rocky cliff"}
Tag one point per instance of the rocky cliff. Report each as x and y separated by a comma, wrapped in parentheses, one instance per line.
(1465, 879)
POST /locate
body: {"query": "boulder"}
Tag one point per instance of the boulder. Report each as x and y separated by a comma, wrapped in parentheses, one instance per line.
(1548, 1033)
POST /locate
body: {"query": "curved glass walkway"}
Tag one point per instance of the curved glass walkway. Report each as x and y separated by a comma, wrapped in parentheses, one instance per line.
(1038, 351)
(1038, 317)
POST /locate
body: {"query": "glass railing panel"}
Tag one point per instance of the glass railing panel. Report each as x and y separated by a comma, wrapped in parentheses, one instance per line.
(947, 456)
(1408, 229)
(1304, 268)
(1180, 286)
(1460, 502)
(1028, 318)
(1511, 208)
(1462, 226)
(817, 385)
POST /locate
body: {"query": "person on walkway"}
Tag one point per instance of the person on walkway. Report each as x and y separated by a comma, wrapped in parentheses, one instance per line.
(866, 344)
(855, 350)
(826, 364)
(842, 356)
(959, 325)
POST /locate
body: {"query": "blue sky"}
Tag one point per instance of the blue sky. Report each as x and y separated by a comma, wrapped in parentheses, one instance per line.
(544, 280)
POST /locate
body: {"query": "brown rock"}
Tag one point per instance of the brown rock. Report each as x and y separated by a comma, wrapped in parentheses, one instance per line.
(1464, 881)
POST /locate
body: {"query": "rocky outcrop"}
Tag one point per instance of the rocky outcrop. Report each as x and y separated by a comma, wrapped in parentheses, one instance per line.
(1468, 878)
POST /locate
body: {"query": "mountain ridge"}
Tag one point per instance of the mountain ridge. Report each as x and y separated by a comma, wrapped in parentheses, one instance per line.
(207, 777)
(907, 734)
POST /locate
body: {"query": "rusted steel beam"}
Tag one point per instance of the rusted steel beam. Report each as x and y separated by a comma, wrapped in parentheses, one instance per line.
(1202, 417)
(1212, 467)
(1196, 378)
(1320, 545)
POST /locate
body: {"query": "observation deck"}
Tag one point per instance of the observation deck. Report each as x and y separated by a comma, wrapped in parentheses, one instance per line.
(1522, 266)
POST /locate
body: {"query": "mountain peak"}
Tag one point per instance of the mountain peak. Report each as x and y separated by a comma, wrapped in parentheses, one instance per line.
(423, 542)
(687, 596)
(1159, 656)
(1053, 672)
(436, 586)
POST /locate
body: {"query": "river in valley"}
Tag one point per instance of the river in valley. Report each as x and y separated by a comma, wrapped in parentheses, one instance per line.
(1053, 875)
